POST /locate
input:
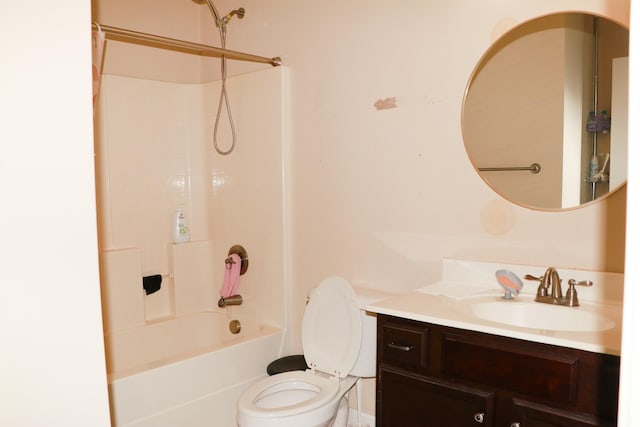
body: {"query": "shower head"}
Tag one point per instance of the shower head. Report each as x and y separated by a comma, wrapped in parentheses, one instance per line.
(238, 12)
(221, 22)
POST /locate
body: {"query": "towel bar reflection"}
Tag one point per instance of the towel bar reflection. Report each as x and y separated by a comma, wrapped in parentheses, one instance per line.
(533, 168)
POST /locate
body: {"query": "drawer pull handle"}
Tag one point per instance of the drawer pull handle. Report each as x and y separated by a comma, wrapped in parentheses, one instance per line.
(400, 347)
(479, 418)
(515, 425)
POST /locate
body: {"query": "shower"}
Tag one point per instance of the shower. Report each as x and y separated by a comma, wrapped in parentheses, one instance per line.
(221, 23)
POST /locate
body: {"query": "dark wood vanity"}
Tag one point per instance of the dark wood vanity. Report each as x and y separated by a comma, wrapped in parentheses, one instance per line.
(436, 376)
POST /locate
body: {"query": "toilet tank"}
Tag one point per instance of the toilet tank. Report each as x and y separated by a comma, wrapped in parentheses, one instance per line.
(365, 366)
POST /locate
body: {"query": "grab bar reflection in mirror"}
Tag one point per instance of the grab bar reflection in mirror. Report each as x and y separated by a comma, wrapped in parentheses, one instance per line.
(534, 168)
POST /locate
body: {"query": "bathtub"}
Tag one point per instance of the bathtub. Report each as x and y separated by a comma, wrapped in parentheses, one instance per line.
(186, 371)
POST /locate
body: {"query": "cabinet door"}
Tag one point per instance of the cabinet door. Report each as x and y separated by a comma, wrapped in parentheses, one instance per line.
(528, 414)
(409, 400)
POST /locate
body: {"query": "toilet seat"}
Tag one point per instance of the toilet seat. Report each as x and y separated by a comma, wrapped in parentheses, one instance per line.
(259, 400)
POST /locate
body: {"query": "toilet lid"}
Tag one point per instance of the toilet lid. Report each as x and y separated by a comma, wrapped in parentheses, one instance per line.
(331, 328)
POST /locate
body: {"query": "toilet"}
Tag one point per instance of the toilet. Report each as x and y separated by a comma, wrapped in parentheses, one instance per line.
(339, 344)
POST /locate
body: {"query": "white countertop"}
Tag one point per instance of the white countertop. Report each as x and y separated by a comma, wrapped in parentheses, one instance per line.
(457, 313)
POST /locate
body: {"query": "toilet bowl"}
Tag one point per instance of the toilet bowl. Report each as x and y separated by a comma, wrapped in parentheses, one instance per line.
(338, 340)
(292, 399)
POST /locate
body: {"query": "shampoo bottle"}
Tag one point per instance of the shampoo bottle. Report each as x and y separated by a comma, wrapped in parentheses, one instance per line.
(180, 226)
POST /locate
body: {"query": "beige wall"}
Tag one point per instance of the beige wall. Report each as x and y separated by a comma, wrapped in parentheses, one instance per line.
(170, 18)
(381, 196)
(630, 376)
(52, 361)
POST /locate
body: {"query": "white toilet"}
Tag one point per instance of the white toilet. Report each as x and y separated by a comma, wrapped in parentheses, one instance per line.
(339, 343)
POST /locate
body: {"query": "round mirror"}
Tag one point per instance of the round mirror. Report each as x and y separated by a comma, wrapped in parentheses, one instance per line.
(544, 118)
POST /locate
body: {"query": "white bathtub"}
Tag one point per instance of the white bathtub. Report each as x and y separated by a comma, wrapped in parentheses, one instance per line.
(187, 371)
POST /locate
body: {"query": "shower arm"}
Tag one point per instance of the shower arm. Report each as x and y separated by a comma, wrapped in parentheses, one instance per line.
(121, 34)
(221, 22)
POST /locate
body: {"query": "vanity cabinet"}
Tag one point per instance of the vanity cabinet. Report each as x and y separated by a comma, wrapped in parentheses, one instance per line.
(432, 375)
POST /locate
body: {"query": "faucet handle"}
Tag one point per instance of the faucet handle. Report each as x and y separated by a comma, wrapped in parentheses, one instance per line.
(542, 287)
(573, 282)
(572, 294)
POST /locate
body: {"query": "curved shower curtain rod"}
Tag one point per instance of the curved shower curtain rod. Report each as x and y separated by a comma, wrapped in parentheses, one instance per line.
(121, 34)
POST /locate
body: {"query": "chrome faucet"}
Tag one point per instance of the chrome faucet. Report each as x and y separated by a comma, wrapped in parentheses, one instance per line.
(551, 280)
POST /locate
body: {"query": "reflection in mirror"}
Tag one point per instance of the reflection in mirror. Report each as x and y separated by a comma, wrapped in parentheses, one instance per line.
(551, 92)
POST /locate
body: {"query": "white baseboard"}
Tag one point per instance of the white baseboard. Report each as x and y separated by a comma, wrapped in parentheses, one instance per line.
(366, 420)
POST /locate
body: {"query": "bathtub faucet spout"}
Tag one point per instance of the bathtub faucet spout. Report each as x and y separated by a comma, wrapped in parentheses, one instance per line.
(232, 300)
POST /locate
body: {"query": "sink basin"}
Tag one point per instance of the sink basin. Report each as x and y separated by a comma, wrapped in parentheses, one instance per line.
(541, 316)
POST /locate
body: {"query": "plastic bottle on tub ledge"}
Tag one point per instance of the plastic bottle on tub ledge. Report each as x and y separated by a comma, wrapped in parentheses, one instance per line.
(181, 232)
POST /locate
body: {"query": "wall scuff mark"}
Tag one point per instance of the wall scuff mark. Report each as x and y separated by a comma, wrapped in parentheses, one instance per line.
(385, 104)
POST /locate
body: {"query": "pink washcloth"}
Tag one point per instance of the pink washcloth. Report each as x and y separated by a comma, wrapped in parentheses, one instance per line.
(231, 276)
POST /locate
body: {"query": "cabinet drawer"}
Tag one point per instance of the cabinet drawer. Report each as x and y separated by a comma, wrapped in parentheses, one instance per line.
(403, 344)
(531, 414)
(550, 375)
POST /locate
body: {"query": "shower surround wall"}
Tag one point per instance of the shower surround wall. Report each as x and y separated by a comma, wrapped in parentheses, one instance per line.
(154, 151)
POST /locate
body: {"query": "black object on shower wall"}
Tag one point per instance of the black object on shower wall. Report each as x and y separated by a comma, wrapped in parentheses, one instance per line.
(152, 284)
